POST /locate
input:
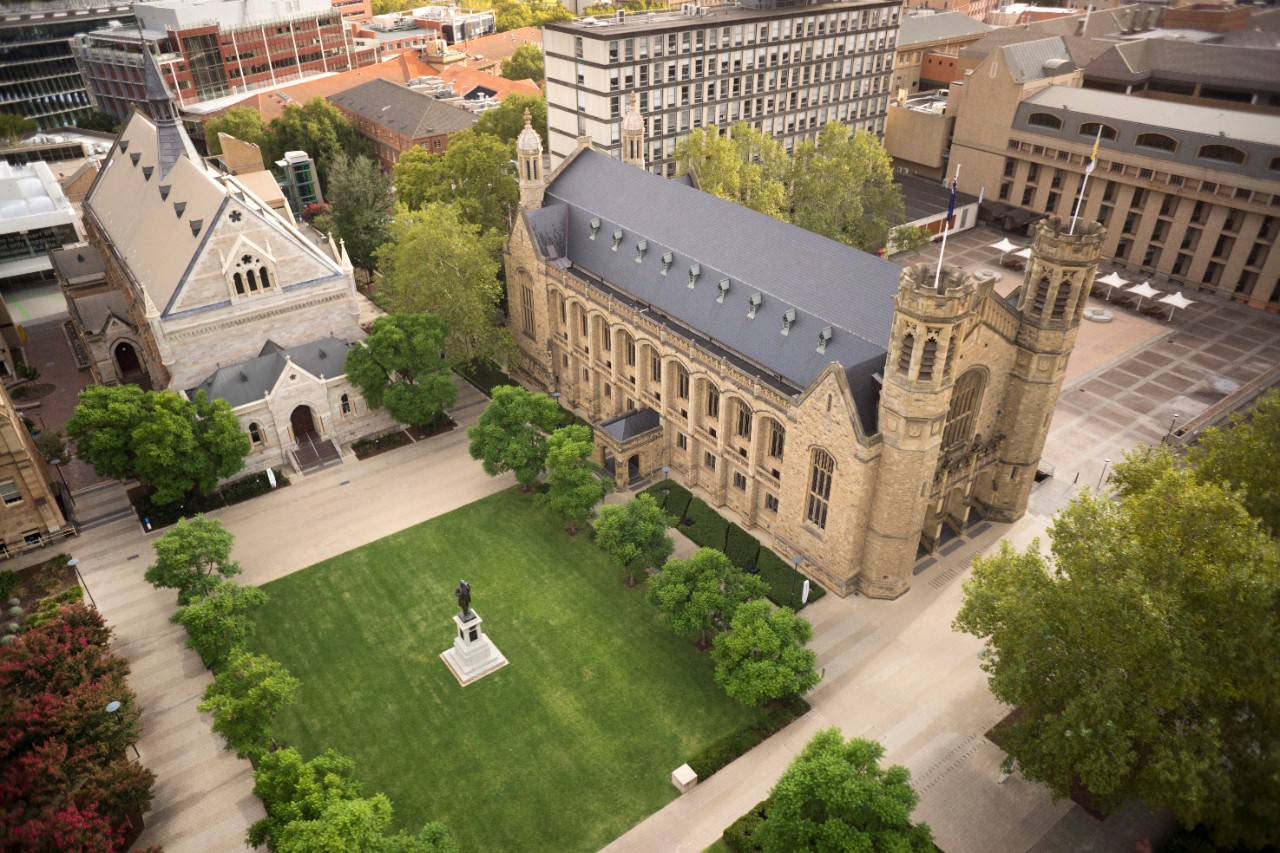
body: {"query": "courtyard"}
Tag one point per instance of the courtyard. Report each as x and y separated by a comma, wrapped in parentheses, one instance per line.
(563, 749)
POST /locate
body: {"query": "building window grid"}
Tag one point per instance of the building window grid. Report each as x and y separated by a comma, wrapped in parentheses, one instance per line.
(9, 492)
(821, 471)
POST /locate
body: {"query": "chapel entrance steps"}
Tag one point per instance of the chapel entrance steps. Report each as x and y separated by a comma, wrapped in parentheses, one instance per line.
(313, 454)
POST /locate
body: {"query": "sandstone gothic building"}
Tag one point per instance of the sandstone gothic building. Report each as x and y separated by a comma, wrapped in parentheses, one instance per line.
(192, 282)
(858, 412)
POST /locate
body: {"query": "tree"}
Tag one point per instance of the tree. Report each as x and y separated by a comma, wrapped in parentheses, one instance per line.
(437, 263)
(400, 366)
(359, 826)
(174, 445)
(244, 699)
(1142, 654)
(193, 558)
(320, 129)
(474, 175)
(575, 484)
(1246, 455)
(516, 14)
(507, 119)
(908, 238)
(245, 124)
(218, 623)
(13, 127)
(703, 593)
(634, 535)
(747, 167)
(843, 188)
(511, 434)
(763, 656)
(525, 63)
(835, 796)
(362, 202)
(101, 122)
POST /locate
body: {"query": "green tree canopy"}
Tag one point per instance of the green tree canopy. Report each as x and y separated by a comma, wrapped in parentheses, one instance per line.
(836, 796)
(525, 63)
(1246, 455)
(507, 120)
(193, 558)
(245, 124)
(101, 122)
(13, 127)
(511, 434)
(573, 478)
(362, 201)
(219, 622)
(701, 594)
(634, 534)
(244, 699)
(474, 175)
(515, 14)
(747, 167)
(1144, 653)
(399, 366)
(436, 263)
(843, 188)
(318, 128)
(763, 655)
(174, 445)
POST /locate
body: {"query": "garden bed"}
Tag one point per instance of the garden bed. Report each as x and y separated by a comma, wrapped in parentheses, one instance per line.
(35, 583)
(162, 515)
(379, 444)
(709, 529)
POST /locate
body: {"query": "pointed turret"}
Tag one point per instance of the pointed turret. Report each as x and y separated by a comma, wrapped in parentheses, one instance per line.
(633, 134)
(172, 141)
(529, 161)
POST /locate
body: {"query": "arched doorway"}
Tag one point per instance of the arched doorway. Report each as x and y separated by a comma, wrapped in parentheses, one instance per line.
(633, 468)
(303, 424)
(956, 509)
(127, 361)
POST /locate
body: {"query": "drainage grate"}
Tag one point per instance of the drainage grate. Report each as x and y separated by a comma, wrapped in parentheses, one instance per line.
(131, 557)
(948, 575)
(345, 483)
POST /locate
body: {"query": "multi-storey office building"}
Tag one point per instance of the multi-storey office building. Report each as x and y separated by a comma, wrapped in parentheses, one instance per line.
(38, 75)
(213, 48)
(787, 70)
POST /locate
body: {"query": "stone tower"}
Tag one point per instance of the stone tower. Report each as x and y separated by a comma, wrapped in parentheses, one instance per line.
(529, 161)
(633, 134)
(928, 327)
(1052, 302)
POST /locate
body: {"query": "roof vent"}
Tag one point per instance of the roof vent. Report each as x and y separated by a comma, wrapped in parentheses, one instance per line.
(723, 287)
(243, 376)
(595, 226)
(788, 320)
(196, 224)
(667, 260)
(753, 305)
(135, 157)
(179, 207)
(617, 238)
(124, 145)
(147, 172)
(694, 272)
(824, 338)
(164, 191)
(323, 354)
(641, 248)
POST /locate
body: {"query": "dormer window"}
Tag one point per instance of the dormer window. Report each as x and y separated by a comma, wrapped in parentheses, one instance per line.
(641, 248)
(617, 238)
(753, 305)
(788, 320)
(250, 275)
(667, 260)
(824, 338)
(595, 227)
(694, 272)
(723, 288)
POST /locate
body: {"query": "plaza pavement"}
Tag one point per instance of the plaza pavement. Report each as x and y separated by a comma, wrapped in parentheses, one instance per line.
(893, 671)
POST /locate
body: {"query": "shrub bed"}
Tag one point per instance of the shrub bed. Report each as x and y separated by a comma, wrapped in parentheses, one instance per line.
(485, 375)
(740, 836)
(162, 515)
(375, 444)
(721, 752)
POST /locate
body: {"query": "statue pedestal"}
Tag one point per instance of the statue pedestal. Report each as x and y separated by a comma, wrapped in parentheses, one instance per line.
(473, 655)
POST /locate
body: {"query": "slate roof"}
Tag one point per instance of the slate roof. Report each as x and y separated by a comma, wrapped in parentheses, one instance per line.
(1026, 61)
(74, 263)
(826, 283)
(632, 424)
(918, 29)
(1191, 62)
(250, 380)
(412, 114)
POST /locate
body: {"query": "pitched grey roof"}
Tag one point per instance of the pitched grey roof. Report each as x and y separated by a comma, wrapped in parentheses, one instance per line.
(250, 380)
(825, 283)
(77, 262)
(94, 311)
(917, 29)
(1035, 60)
(1193, 62)
(399, 108)
(632, 424)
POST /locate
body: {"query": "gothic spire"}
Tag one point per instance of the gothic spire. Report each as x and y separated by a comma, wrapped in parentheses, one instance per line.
(172, 141)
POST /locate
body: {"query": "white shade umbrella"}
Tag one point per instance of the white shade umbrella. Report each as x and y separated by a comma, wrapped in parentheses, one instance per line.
(1005, 245)
(1112, 280)
(1023, 253)
(1144, 291)
(1176, 300)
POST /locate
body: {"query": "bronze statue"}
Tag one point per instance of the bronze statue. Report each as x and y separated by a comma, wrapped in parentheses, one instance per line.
(463, 592)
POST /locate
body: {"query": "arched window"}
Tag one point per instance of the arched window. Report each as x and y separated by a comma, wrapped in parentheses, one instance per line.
(682, 382)
(255, 433)
(819, 488)
(1222, 153)
(239, 282)
(777, 440)
(904, 356)
(344, 403)
(744, 420)
(1090, 129)
(262, 277)
(928, 356)
(253, 281)
(1045, 120)
(962, 415)
(1157, 140)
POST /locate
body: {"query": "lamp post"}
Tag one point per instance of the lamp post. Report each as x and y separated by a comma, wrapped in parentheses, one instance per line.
(1105, 464)
(66, 490)
(1168, 436)
(797, 560)
(666, 487)
(113, 708)
(74, 563)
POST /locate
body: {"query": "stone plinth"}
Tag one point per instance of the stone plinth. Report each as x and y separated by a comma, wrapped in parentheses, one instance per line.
(684, 778)
(473, 655)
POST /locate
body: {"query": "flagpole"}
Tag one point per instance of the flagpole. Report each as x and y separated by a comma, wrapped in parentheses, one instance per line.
(946, 227)
(1088, 170)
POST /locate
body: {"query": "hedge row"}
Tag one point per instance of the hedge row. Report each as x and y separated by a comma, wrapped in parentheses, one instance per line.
(710, 529)
(740, 836)
(237, 490)
(719, 753)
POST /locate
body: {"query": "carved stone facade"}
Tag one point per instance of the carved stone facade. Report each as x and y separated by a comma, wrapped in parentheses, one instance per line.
(952, 430)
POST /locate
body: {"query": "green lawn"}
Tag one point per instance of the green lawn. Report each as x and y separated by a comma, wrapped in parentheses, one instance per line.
(564, 749)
